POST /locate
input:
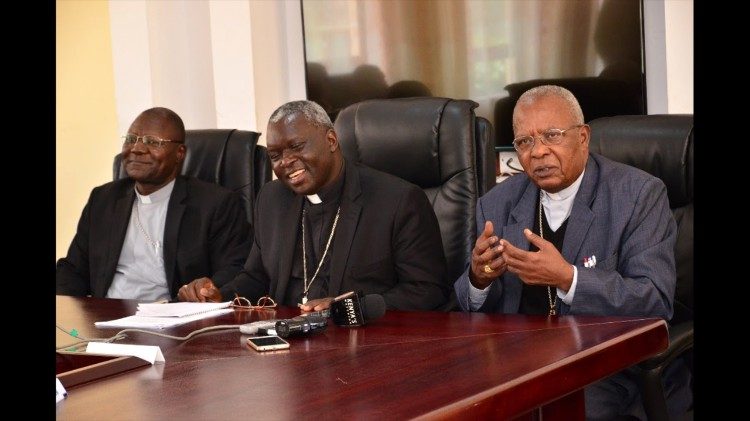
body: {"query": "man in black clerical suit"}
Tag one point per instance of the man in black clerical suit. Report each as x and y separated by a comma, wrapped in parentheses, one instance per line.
(144, 236)
(327, 226)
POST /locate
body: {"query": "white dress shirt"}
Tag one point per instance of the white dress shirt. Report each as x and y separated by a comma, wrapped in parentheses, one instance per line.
(140, 271)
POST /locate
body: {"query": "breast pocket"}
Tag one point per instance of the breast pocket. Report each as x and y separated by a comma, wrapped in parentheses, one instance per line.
(610, 263)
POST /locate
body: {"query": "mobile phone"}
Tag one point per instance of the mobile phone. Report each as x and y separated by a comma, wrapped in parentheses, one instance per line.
(267, 343)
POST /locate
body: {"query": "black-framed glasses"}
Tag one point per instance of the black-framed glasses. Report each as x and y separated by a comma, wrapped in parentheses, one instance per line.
(264, 302)
(549, 137)
(150, 141)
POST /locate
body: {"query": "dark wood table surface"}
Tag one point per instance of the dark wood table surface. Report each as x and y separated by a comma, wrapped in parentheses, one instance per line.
(429, 365)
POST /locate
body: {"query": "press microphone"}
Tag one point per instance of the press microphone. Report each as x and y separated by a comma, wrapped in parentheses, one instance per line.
(268, 327)
(252, 328)
(357, 310)
(348, 310)
(301, 325)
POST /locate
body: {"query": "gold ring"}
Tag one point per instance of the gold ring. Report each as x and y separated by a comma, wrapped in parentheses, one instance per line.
(488, 269)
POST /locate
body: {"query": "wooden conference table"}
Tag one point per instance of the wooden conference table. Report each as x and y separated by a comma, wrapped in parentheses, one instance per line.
(428, 365)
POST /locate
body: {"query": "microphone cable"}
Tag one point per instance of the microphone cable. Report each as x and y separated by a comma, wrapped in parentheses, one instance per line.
(122, 335)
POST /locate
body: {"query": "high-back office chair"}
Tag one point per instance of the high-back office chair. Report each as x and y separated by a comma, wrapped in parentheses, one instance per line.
(228, 157)
(598, 97)
(661, 145)
(436, 143)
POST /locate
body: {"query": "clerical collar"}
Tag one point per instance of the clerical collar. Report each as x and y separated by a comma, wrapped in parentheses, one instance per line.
(157, 196)
(331, 192)
(567, 192)
(557, 206)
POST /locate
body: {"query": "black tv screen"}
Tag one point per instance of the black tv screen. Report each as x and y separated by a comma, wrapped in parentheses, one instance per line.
(489, 51)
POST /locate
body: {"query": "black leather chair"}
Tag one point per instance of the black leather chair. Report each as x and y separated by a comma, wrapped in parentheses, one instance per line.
(661, 145)
(436, 143)
(228, 157)
(597, 96)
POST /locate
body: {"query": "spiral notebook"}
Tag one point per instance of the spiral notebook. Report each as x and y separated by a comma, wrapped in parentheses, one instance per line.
(161, 316)
(177, 309)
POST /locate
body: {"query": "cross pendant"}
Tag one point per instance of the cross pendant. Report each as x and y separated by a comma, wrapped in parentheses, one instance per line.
(552, 311)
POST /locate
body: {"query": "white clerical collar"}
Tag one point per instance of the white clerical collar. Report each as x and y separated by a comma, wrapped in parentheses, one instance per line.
(157, 196)
(314, 199)
(557, 206)
(567, 192)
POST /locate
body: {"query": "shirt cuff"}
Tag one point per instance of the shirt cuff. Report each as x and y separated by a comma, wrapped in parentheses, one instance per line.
(567, 298)
(477, 296)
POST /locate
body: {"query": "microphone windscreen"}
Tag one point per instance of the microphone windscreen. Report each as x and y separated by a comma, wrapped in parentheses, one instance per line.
(373, 307)
(357, 310)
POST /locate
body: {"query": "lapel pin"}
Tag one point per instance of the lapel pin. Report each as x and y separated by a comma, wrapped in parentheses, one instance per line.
(589, 262)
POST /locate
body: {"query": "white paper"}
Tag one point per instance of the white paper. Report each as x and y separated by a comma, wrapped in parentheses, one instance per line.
(177, 309)
(143, 322)
(148, 353)
(61, 393)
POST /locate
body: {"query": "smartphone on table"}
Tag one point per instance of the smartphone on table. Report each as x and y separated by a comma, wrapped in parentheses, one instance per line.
(267, 343)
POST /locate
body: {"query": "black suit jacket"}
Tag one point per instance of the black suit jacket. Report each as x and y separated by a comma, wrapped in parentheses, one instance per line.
(205, 234)
(387, 242)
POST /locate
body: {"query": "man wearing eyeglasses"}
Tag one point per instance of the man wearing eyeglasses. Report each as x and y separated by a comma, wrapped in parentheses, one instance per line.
(327, 226)
(576, 234)
(144, 236)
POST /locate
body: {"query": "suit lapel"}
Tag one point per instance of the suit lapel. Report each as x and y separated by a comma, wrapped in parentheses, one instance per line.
(175, 210)
(522, 216)
(289, 232)
(118, 228)
(581, 215)
(351, 208)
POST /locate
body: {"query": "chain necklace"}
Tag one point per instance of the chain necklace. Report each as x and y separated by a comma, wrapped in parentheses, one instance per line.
(552, 303)
(155, 244)
(304, 254)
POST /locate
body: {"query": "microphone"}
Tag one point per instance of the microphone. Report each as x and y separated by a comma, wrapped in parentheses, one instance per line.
(357, 310)
(265, 327)
(347, 310)
(301, 325)
(252, 328)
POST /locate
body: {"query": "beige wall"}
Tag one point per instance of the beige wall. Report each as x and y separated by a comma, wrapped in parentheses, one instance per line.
(86, 124)
(678, 30)
(109, 56)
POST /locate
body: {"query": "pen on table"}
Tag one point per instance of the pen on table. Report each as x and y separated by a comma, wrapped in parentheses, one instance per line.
(337, 298)
(343, 296)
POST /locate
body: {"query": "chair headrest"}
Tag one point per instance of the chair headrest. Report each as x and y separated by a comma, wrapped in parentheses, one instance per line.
(661, 145)
(420, 122)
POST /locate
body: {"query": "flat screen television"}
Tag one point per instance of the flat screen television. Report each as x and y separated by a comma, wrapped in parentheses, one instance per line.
(489, 51)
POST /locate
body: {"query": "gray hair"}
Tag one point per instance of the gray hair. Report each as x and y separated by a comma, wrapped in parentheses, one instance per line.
(534, 94)
(313, 113)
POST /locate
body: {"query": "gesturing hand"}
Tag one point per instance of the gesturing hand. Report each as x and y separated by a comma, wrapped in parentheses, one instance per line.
(543, 267)
(486, 262)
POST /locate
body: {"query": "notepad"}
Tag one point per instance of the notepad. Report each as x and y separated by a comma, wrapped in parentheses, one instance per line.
(162, 316)
(177, 309)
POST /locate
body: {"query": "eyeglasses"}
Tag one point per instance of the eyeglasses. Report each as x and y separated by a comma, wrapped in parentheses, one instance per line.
(150, 141)
(263, 303)
(550, 137)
